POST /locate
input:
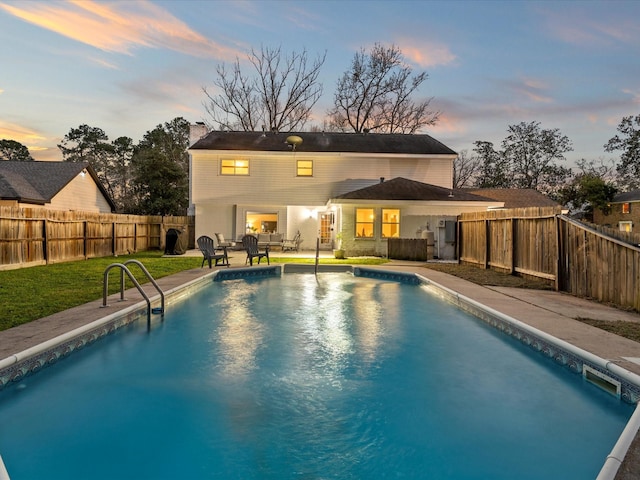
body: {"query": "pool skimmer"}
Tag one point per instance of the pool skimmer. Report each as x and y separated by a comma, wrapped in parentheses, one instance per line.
(601, 380)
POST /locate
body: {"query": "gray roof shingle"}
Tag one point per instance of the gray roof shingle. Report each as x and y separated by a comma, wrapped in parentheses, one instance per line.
(515, 197)
(632, 196)
(38, 182)
(324, 142)
(404, 189)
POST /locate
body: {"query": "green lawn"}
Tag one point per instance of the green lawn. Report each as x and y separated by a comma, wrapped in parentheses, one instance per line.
(27, 294)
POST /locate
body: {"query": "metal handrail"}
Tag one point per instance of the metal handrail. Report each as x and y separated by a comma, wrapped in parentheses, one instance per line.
(149, 277)
(123, 269)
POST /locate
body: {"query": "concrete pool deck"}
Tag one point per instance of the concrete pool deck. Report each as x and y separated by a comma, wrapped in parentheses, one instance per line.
(549, 311)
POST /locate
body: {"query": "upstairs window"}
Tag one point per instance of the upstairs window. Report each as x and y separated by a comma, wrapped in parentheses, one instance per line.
(237, 166)
(364, 222)
(626, 208)
(304, 168)
(390, 223)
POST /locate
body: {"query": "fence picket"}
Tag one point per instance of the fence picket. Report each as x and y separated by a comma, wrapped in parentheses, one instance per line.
(35, 236)
(582, 259)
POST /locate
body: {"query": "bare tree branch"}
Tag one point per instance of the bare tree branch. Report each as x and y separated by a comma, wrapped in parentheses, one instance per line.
(466, 170)
(280, 94)
(375, 94)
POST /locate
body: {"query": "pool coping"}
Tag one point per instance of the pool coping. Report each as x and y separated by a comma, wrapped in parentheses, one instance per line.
(33, 359)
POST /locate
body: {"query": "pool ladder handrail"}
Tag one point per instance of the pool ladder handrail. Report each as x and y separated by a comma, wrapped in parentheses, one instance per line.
(124, 269)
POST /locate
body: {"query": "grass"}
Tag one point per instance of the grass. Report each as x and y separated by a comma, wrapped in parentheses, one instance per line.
(27, 294)
(490, 277)
(630, 330)
(327, 261)
(30, 293)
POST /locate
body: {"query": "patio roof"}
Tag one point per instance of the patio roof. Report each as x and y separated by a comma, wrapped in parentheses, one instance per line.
(404, 189)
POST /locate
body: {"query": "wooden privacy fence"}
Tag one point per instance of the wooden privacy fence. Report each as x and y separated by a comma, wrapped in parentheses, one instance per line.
(36, 236)
(415, 249)
(594, 265)
(541, 242)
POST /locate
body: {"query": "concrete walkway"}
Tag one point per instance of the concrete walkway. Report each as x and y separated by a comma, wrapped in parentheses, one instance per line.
(551, 312)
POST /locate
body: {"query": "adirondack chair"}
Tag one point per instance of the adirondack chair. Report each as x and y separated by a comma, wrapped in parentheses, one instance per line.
(293, 244)
(222, 242)
(250, 244)
(211, 253)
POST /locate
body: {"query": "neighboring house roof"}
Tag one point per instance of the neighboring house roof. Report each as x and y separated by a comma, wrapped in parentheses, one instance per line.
(515, 197)
(632, 196)
(324, 142)
(14, 186)
(405, 189)
(38, 182)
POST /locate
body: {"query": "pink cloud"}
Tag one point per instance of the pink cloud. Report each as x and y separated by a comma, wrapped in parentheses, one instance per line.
(426, 54)
(119, 27)
(575, 27)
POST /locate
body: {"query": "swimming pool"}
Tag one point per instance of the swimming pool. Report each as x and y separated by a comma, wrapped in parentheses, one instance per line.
(294, 377)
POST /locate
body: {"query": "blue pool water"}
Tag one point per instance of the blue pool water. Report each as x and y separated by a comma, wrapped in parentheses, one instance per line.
(298, 378)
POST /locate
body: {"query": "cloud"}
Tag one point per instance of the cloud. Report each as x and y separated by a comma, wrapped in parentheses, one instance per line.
(592, 27)
(531, 88)
(635, 94)
(119, 27)
(39, 146)
(427, 54)
(19, 133)
(104, 63)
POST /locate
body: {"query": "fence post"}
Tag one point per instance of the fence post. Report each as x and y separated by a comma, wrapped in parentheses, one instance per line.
(487, 247)
(45, 241)
(458, 238)
(559, 255)
(85, 240)
(513, 245)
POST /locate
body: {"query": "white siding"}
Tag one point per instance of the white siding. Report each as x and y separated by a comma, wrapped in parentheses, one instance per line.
(81, 193)
(423, 216)
(273, 178)
(221, 201)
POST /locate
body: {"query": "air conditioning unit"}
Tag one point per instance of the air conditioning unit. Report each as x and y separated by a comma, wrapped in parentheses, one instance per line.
(440, 223)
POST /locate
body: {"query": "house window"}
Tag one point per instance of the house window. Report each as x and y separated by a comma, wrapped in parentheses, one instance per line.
(626, 208)
(364, 222)
(234, 167)
(625, 226)
(304, 168)
(390, 223)
(261, 222)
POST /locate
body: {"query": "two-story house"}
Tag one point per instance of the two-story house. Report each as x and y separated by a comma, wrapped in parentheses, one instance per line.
(623, 212)
(263, 182)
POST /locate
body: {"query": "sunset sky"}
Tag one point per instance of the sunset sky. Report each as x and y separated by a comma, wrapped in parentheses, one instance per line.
(127, 66)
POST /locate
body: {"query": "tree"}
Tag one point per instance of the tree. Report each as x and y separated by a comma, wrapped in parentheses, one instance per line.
(532, 153)
(466, 170)
(15, 151)
(278, 96)
(161, 170)
(120, 172)
(628, 141)
(592, 187)
(494, 167)
(90, 144)
(375, 94)
(587, 192)
(527, 159)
